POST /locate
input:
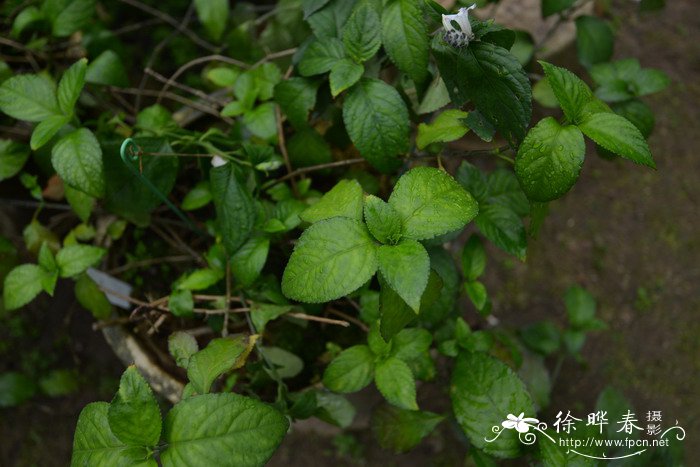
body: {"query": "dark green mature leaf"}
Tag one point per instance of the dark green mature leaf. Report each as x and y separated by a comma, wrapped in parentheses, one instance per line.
(334, 409)
(28, 97)
(401, 430)
(405, 37)
(542, 337)
(484, 391)
(431, 203)
(320, 56)
(328, 22)
(22, 284)
(332, 258)
(376, 119)
(71, 85)
(249, 260)
(383, 222)
(226, 430)
(405, 267)
(218, 357)
(624, 79)
(74, 15)
(618, 135)
(594, 40)
(13, 156)
(214, 15)
(235, 207)
(128, 196)
(362, 34)
(312, 6)
(344, 74)
(77, 158)
(134, 416)
(492, 79)
(473, 258)
(639, 113)
(395, 381)
(571, 92)
(550, 7)
(90, 297)
(15, 389)
(483, 128)
(95, 444)
(343, 200)
(350, 371)
(296, 96)
(504, 228)
(75, 259)
(549, 160)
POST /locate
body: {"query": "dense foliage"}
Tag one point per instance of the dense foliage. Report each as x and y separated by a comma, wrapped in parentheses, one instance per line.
(301, 198)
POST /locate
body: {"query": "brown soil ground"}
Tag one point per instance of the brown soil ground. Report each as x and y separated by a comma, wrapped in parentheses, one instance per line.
(628, 234)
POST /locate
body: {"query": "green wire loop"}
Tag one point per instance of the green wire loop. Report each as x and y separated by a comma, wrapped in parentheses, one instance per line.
(130, 152)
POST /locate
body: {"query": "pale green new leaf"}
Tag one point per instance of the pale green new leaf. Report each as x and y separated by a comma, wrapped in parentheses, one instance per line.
(90, 297)
(218, 357)
(263, 313)
(343, 200)
(549, 160)
(13, 156)
(395, 381)
(405, 267)
(28, 97)
(75, 259)
(77, 158)
(134, 416)
(74, 16)
(214, 15)
(182, 346)
(405, 37)
(448, 126)
(71, 85)
(431, 203)
(473, 258)
(410, 343)
(350, 371)
(332, 258)
(619, 135)
(46, 130)
(248, 261)
(376, 119)
(570, 90)
(225, 430)
(383, 222)
(483, 389)
(22, 284)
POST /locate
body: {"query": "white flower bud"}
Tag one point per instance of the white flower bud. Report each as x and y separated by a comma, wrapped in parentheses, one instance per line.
(218, 161)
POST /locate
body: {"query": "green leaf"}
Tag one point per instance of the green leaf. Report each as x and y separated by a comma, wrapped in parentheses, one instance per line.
(286, 364)
(108, 70)
(405, 37)
(473, 258)
(71, 85)
(266, 77)
(262, 313)
(328, 22)
(296, 96)
(134, 415)
(594, 40)
(197, 197)
(95, 444)
(639, 113)
(504, 228)
(343, 200)
(307, 147)
(13, 156)
(332, 258)
(75, 259)
(181, 303)
(550, 7)
(77, 158)
(571, 92)
(580, 306)
(431, 203)
(376, 119)
(90, 297)
(476, 291)
(312, 6)
(218, 357)
(410, 343)
(214, 15)
(15, 389)
(395, 313)
(484, 391)
(395, 381)
(335, 409)
(401, 430)
(22, 284)
(344, 73)
(350, 371)
(81, 203)
(618, 135)
(225, 430)
(223, 76)
(493, 79)
(200, 279)
(448, 126)
(362, 34)
(549, 160)
(405, 267)
(235, 208)
(436, 97)
(249, 260)
(182, 346)
(28, 97)
(46, 130)
(261, 121)
(156, 120)
(542, 337)
(383, 222)
(544, 95)
(320, 56)
(75, 15)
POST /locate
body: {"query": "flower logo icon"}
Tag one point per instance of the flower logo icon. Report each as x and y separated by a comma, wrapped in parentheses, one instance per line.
(521, 423)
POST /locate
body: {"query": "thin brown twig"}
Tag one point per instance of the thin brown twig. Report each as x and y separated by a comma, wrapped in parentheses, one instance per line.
(275, 56)
(347, 317)
(224, 330)
(183, 100)
(320, 319)
(220, 311)
(314, 168)
(184, 87)
(283, 146)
